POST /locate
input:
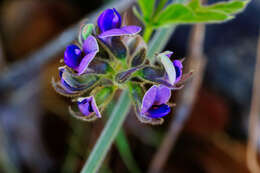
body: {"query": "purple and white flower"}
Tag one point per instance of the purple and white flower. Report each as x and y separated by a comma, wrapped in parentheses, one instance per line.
(177, 65)
(154, 103)
(88, 106)
(78, 59)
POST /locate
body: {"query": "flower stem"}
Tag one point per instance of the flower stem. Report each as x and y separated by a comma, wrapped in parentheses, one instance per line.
(147, 33)
(108, 135)
(125, 152)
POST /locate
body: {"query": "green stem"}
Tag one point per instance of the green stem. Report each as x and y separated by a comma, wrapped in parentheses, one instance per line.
(125, 152)
(108, 135)
(160, 7)
(147, 33)
(123, 146)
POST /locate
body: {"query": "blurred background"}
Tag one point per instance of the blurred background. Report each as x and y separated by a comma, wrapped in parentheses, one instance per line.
(37, 134)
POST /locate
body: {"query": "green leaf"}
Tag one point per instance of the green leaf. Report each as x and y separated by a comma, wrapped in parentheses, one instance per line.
(137, 14)
(160, 6)
(194, 12)
(229, 7)
(194, 4)
(174, 13)
(208, 16)
(147, 8)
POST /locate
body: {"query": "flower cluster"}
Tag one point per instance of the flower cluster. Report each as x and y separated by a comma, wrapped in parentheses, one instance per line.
(110, 56)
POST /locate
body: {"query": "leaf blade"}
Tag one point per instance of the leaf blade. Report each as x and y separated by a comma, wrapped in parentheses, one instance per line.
(194, 12)
(229, 7)
(147, 8)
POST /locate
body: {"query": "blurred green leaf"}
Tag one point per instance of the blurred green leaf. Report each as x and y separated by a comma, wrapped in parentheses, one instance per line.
(147, 8)
(229, 7)
(160, 6)
(137, 14)
(174, 13)
(194, 12)
(194, 4)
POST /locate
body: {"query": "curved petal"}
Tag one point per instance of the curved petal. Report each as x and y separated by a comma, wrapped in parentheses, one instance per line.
(85, 62)
(126, 30)
(159, 111)
(87, 105)
(168, 53)
(68, 88)
(148, 99)
(90, 45)
(72, 56)
(163, 95)
(117, 21)
(178, 68)
(169, 68)
(95, 107)
(109, 19)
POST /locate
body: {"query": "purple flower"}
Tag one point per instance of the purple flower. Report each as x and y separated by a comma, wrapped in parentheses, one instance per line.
(87, 106)
(154, 102)
(178, 68)
(177, 65)
(79, 60)
(109, 23)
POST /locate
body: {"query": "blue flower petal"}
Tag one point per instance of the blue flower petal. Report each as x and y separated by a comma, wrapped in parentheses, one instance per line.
(85, 107)
(158, 111)
(88, 105)
(90, 47)
(109, 19)
(72, 56)
(178, 69)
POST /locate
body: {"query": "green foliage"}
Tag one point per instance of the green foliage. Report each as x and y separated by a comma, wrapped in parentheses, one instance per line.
(192, 12)
(147, 7)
